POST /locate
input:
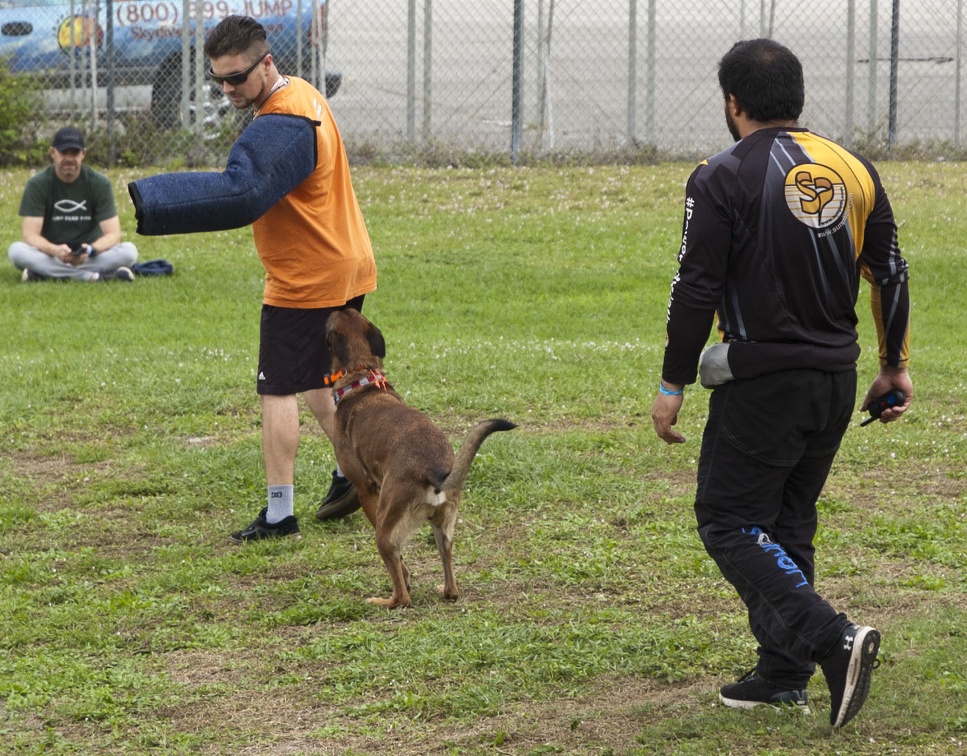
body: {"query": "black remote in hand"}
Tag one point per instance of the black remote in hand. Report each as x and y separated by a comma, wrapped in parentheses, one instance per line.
(891, 399)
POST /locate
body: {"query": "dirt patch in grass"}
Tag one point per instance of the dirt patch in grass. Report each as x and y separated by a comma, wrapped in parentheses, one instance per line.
(292, 720)
(57, 475)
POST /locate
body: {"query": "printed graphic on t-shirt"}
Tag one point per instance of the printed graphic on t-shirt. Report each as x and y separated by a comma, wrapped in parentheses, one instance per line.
(71, 211)
(816, 195)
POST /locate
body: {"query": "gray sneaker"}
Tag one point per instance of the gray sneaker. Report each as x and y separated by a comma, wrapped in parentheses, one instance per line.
(120, 274)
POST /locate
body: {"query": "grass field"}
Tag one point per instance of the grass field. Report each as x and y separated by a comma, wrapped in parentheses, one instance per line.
(591, 620)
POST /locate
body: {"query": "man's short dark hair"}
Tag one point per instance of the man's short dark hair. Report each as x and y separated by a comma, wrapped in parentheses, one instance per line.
(237, 35)
(766, 78)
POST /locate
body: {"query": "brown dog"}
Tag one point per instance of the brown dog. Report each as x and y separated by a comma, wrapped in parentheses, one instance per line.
(400, 463)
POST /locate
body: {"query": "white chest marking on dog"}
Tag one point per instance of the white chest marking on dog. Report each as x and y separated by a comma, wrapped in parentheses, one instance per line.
(435, 498)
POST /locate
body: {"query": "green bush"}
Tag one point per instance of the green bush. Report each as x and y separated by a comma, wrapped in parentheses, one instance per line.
(16, 114)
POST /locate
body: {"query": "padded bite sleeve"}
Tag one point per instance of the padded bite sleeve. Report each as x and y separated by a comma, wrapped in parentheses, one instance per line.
(272, 156)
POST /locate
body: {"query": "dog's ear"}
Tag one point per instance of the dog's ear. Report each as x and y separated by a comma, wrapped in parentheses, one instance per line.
(338, 347)
(377, 345)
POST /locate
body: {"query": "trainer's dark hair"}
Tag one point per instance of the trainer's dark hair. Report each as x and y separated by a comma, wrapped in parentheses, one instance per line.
(237, 35)
(766, 78)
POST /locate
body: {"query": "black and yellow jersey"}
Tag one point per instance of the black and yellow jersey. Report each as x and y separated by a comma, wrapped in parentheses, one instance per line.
(778, 229)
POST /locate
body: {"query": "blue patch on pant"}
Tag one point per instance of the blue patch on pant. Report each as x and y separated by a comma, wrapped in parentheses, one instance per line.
(783, 561)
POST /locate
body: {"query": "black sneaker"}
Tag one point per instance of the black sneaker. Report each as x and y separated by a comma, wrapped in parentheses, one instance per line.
(260, 529)
(341, 500)
(847, 669)
(751, 691)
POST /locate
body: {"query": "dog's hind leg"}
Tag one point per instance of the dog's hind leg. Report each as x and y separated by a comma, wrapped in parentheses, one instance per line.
(368, 494)
(406, 573)
(443, 523)
(389, 550)
(394, 524)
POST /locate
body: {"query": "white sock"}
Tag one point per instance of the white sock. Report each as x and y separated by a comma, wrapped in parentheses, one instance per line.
(280, 504)
(339, 473)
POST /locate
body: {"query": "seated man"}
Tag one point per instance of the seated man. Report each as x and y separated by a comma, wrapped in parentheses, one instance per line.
(70, 221)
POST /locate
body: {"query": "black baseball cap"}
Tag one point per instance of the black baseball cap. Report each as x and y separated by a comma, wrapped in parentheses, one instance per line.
(68, 138)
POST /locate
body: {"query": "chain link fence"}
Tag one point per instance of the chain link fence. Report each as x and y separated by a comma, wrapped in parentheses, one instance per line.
(126, 72)
(454, 79)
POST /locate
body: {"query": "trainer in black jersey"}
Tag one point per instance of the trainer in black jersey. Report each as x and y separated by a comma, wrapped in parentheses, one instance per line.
(778, 230)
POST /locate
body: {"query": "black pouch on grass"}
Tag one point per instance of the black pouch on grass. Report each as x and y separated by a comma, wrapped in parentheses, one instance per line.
(153, 268)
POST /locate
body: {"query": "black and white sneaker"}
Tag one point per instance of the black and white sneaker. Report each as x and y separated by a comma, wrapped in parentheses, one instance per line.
(847, 669)
(341, 499)
(260, 529)
(751, 691)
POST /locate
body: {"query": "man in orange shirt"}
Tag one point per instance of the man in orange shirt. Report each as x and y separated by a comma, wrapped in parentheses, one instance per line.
(288, 176)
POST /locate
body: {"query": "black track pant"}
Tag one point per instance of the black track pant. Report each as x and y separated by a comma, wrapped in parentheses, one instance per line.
(767, 449)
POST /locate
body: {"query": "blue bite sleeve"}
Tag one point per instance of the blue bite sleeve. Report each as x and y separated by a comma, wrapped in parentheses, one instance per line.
(273, 155)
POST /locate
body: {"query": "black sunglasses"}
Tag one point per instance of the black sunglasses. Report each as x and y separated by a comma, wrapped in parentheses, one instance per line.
(235, 79)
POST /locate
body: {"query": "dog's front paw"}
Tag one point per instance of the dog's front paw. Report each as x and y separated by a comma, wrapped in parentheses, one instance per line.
(448, 595)
(391, 603)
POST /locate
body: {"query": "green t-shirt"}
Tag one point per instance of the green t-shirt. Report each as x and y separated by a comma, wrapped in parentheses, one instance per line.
(72, 212)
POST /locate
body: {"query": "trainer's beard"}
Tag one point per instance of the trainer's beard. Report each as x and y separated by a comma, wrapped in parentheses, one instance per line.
(242, 103)
(730, 122)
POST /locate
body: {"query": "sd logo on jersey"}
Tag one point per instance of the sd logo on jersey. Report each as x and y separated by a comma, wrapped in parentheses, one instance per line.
(815, 194)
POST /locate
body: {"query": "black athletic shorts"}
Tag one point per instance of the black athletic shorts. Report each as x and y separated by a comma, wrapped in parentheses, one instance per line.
(293, 355)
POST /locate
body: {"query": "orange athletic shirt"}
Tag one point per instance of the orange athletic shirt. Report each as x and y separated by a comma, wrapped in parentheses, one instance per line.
(313, 242)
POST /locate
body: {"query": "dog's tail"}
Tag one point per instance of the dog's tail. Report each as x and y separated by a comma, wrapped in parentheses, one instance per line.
(457, 478)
